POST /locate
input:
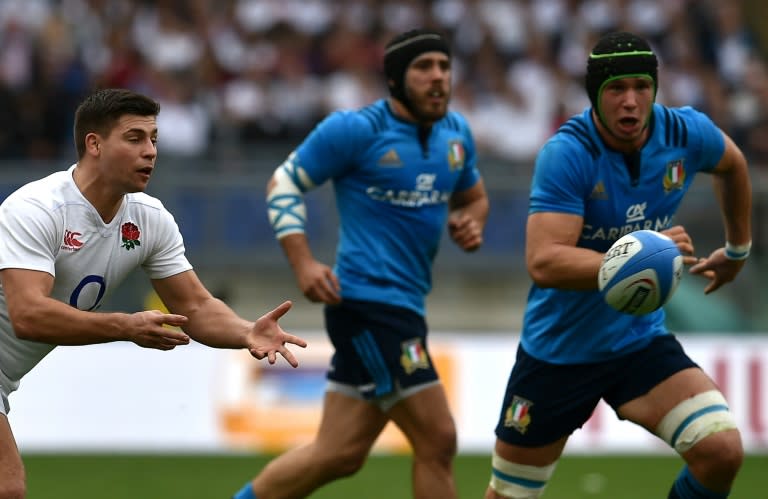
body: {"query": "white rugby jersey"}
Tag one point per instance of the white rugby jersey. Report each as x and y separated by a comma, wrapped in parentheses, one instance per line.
(47, 225)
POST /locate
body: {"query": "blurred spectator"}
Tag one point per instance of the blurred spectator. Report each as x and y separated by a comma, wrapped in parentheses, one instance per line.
(234, 73)
(185, 123)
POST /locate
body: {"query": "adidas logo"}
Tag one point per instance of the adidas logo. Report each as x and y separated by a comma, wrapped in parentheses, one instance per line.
(390, 160)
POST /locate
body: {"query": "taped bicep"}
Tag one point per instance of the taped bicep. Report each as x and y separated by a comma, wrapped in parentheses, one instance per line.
(285, 198)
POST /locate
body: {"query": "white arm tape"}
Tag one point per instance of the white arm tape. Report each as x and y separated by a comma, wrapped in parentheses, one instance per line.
(285, 201)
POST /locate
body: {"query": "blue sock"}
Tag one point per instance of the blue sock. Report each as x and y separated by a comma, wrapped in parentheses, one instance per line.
(687, 487)
(245, 493)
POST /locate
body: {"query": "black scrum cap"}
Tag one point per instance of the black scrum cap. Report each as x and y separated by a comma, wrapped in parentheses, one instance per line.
(403, 49)
(618, 55)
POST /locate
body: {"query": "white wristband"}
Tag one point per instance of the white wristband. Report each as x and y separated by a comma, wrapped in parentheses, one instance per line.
(737, 251)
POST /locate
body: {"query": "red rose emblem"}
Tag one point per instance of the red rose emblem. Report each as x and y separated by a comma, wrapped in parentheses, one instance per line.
(131, 234)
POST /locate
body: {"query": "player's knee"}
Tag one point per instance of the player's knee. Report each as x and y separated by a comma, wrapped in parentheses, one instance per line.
(696, 419)
(518, 481)
(346, 462)
(719, 456)
(438, 445)
(444, 440)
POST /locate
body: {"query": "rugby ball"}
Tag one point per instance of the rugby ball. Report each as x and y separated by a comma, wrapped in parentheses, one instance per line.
(640, 272)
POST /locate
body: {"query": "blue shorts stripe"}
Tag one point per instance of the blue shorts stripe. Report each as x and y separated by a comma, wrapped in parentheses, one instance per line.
(523, 482)
(696, 415)
(374, 362)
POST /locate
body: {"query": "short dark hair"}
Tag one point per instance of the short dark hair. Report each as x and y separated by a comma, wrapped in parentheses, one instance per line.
(101, 110)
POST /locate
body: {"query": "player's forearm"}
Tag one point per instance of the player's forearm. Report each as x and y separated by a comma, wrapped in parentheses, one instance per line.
(215, 324)
(57, 323)
(734, 192)
(565, 267)
(297, 251)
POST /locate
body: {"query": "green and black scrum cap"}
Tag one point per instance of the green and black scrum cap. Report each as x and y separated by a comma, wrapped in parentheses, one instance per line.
(619, 55)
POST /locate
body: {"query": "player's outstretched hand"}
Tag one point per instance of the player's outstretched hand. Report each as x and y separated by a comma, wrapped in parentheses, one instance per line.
(148, 330)
(717, 268)
(267, 338)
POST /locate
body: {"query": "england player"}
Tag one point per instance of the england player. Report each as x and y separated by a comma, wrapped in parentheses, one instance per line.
(69, 239)
(402, 169)
(624, 164)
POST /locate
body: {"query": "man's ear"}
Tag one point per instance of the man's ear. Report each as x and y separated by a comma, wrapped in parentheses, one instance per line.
(93, 144)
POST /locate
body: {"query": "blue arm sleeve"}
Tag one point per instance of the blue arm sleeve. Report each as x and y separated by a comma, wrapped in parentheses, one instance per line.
(470, 174)
(708, 136)
(331, 147)
(556, 185)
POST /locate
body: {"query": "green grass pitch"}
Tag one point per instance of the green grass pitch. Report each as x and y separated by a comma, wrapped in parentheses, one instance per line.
(129, 476)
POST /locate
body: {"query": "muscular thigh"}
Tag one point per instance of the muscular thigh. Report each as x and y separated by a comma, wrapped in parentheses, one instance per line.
(424, 415)
(649, 409)
(654, 380)
(349, 423)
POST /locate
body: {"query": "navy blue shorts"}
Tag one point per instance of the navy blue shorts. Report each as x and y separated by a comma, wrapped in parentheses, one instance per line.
(378, 347)
(545, 402)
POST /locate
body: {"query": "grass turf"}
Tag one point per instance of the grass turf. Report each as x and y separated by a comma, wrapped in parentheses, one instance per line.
(100, 476)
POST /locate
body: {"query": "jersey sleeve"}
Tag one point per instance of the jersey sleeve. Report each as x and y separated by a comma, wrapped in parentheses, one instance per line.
(470, 173)
(29, 236)
(168, 255)
(706, 135)
(556, 185)
(330, 147)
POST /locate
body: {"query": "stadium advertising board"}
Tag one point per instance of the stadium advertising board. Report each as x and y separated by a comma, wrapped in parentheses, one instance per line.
(117, 397)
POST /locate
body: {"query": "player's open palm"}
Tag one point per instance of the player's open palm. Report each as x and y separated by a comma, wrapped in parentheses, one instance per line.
(267, 338)
(718, 269)
(149, 330)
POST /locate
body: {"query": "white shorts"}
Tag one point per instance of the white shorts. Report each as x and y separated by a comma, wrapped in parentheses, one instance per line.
(6, 387)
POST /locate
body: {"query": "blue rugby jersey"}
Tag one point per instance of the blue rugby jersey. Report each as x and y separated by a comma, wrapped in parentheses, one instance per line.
(391, 195)
(576, 173)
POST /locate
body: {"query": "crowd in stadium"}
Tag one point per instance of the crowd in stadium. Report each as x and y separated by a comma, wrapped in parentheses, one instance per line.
(233, 73)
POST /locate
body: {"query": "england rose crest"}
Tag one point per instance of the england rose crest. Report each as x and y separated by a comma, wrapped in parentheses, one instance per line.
(131, 234)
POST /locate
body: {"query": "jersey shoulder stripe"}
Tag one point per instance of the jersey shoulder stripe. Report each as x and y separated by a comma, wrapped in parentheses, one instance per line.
(675, 129)
(376, 116)
(452, 121)
(576, 128)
